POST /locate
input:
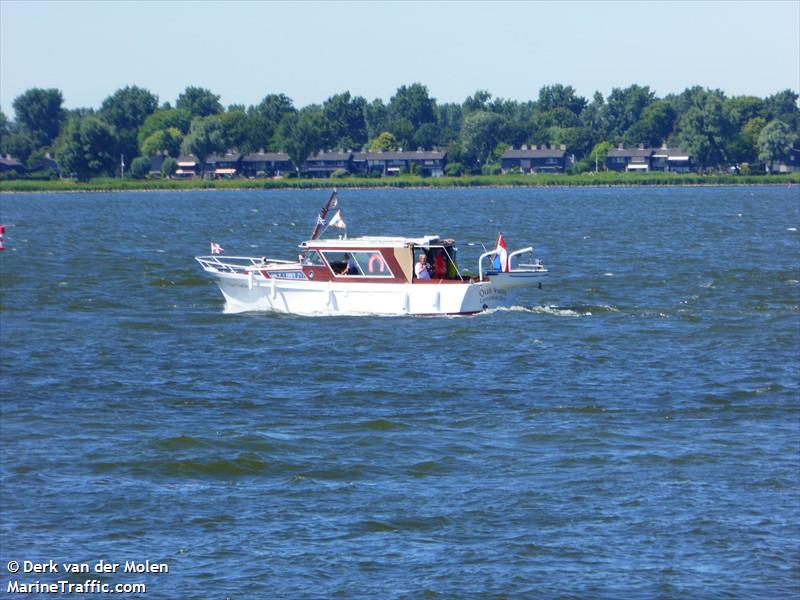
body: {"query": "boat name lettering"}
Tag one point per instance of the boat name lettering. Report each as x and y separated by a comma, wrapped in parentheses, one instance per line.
(287, 274)
(492, 291)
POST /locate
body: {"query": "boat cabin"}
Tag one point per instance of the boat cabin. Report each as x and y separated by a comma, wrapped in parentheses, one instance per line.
(379, 259)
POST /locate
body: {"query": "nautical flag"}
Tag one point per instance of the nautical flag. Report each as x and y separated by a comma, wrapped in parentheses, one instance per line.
(321, 221)
(500, 262)
(338, 221)
(216, 248)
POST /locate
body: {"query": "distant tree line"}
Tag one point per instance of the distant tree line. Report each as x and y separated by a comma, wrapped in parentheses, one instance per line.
(715, 129)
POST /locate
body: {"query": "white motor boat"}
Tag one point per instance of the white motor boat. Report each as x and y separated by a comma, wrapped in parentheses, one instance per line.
(373, 276)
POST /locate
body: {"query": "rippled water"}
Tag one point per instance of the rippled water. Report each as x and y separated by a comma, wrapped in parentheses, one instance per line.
(631, 430)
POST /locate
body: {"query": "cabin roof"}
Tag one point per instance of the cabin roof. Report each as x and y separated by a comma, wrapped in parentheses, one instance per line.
(375, 242)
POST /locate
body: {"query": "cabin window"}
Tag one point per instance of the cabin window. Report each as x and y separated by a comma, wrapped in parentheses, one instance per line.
(313, 259)
(368, 263)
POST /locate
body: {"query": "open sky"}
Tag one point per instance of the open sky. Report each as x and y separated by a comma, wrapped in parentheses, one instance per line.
(312, 50)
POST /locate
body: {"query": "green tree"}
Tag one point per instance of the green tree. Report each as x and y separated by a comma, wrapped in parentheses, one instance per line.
(558, 96)
(742, 146)
(426, 136)
(783, 106)
(140, 167)
(499, 150)
(413, 104)
(205, 137)
(740, 109)
(165, 119)
(624, 107)
(169, 166)
(85, 147)
(18, 143)
(385, 141)
(703, 127)
(578, 140)
(347, 127)
(478, 101)
(376, 116)
(301, 134)
(599, 154)
(264, 120)
(408, 109)
(557, 117)
(774, 142)
(448, 118)
(453, 169)
(126, 110)
(593, 116)
(5, 126)
(39, 115)
(164, 140)
(199, 102)
(235, 129)
(654, 127)
(480, 134)
(16, 140)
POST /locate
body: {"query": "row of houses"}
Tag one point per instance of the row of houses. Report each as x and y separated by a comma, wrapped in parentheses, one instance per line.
(10, 164)
(320, 164)
(649, 159)
(431, 163)
(549, 159)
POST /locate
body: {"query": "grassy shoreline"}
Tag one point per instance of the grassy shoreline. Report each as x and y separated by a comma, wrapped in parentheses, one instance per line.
(535, 181)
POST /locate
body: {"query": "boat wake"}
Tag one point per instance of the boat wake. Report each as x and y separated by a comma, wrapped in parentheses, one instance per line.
(555, 311)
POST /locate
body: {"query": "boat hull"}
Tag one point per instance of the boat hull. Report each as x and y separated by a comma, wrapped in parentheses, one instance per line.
(253, 292)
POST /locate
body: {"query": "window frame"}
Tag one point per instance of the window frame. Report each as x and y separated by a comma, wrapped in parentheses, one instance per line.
(361, 262)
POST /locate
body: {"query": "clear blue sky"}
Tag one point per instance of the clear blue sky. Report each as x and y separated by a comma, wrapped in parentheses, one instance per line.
(311, 50)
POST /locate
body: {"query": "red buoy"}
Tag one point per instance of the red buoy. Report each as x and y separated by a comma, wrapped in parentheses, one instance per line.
(2, 231)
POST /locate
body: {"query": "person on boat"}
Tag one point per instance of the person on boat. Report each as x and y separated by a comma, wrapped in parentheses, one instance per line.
(452, 268)
(351, 268)
(422, 267)
(439, 267)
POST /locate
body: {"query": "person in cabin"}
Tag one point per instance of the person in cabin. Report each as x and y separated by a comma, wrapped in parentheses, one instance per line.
(452, 269)
(351, 268)
(422, 268)
(439, 266)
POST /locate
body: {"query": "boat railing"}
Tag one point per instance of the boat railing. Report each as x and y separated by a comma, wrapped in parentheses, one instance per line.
(237, 264)
(534, 266)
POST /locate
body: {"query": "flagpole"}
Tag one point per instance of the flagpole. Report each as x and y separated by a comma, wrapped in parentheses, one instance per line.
(321, 217)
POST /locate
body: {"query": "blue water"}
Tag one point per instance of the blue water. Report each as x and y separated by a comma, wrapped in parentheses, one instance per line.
(630, 430)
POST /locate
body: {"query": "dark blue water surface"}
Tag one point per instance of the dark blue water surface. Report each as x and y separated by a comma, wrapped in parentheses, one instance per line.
(630, 430)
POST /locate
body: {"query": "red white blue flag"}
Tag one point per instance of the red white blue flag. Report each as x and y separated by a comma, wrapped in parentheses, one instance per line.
(500, 262)
(216, 248)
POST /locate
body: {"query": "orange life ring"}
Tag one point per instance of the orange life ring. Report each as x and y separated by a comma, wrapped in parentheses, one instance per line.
(376, 259)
